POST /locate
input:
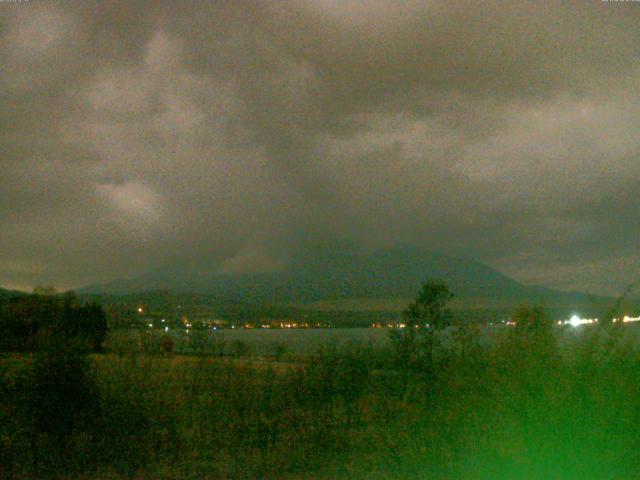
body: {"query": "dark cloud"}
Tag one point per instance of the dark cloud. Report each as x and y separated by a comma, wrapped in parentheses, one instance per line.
(139, 134)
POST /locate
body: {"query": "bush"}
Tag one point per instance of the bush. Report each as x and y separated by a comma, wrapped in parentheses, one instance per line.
(240, 348)
(166, 344)
(279, 350)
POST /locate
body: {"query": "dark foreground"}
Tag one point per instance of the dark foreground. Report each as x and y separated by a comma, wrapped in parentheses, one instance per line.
(515, 409)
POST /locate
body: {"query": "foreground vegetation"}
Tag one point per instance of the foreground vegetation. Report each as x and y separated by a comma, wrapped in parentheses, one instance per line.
(515, 410)
(518, 408)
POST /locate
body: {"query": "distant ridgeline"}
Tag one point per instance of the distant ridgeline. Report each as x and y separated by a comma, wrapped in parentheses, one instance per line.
(390, 273)
(335, 277)
(30, 322)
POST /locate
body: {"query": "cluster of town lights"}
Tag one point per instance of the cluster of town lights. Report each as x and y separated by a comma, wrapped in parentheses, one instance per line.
(576, 321)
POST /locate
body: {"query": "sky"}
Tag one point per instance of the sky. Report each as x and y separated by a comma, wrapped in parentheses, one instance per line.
(233, 135)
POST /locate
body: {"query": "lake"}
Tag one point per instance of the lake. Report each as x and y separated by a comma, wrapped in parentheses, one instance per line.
(308, 340)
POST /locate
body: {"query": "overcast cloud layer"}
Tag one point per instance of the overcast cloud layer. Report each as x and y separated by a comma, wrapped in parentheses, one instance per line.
(232, 134)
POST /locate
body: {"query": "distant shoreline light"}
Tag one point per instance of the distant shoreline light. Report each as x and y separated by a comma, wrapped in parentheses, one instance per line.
(576, 321)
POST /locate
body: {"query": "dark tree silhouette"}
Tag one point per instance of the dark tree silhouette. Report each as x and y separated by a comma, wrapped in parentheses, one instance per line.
(428, 310)
(31, 321)
(426, 315)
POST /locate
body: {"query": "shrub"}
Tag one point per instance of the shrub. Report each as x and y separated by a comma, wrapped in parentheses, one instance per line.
(240, 348)
(279, 350)
(58, 406)
(166, 344)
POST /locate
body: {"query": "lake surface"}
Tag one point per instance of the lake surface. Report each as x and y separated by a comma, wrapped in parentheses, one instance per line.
(305, 341)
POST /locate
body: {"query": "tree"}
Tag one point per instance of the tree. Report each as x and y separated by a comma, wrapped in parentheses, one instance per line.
(45, 290)
(429, 310)
(425, 316)
(532, 322)
(94, 326)
(29, 322)
(534, 332)
(58, 398)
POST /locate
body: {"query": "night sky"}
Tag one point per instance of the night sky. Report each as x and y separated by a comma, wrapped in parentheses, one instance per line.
(233, 135)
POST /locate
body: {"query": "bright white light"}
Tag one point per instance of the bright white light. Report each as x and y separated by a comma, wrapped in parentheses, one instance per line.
(150, 325)
(628, 319)
(139, 309)
(576, 321)
(166, 329)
